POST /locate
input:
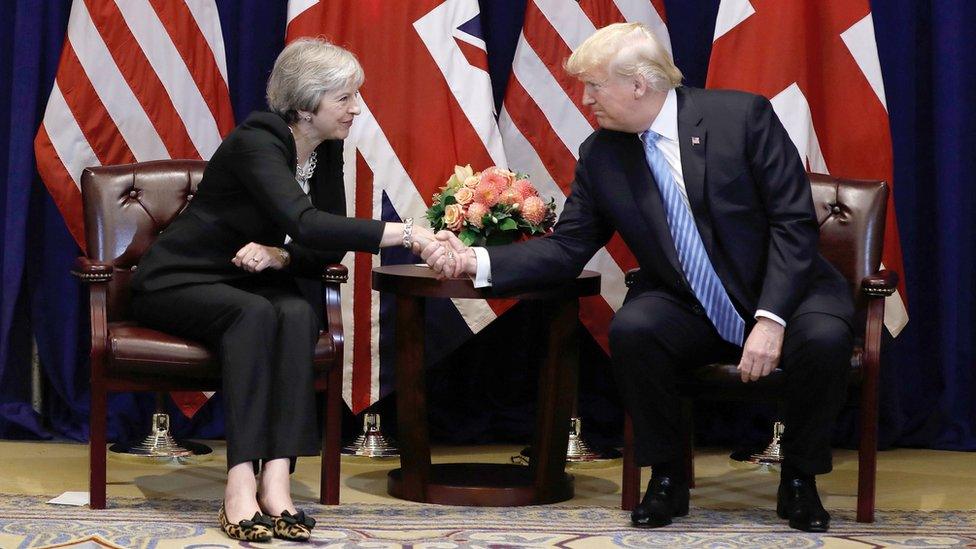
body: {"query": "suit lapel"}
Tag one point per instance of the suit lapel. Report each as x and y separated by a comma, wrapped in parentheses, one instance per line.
(692, 141)
(647, 198)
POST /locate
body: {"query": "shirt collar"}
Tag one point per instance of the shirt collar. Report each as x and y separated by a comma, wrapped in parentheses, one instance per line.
(666, 121)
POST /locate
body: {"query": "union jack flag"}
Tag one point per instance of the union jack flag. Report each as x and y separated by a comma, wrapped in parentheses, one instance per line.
(427, 106)
(796, 54)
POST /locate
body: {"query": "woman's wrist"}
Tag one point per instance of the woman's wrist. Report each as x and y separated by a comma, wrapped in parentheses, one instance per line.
(392, 235)
(285, 257)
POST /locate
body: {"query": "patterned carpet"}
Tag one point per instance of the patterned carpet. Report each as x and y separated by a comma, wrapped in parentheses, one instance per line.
(26, 521)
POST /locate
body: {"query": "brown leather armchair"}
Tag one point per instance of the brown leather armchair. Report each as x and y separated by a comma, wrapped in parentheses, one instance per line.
(852, 219)
(125, 207)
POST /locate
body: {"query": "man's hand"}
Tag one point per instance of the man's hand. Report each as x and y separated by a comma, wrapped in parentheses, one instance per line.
(254, 258)
(760, 354)
(447, 255)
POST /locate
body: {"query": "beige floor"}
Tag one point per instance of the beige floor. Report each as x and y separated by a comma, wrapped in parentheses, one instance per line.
(907, 479)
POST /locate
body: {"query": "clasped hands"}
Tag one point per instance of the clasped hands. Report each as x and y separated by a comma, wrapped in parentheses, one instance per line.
(446, 254)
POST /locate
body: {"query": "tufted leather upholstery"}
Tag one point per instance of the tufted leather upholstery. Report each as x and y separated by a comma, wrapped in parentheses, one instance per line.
(125, 208)
(851, 215)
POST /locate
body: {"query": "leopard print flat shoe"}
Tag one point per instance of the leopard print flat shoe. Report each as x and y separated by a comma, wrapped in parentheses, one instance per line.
(297, 527)
(259, 528)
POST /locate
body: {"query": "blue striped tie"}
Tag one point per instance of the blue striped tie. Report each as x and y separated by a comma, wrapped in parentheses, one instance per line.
(691, 251)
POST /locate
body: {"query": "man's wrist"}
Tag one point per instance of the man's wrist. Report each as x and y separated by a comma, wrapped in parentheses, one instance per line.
(470, 262)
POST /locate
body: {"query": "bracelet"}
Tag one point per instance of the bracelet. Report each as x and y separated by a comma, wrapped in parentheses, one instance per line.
(285, 256)
(408, 233)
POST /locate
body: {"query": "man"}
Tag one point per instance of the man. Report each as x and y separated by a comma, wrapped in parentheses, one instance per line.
(709, 193)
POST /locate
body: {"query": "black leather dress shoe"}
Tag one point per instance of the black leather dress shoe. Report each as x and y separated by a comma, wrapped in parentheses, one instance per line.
(798, 501)
(663, 500)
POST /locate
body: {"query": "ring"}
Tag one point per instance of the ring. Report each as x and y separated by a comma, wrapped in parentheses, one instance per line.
(450, 255)
(254, 260)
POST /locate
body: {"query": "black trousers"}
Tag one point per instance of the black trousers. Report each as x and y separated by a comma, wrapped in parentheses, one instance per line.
(655, 335)
(264, 334)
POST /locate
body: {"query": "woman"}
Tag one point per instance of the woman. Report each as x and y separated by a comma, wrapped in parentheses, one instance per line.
(228, 271)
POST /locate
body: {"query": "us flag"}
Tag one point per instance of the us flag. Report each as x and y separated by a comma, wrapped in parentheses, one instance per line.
(543, 121)
(426, 107)
(137, 80)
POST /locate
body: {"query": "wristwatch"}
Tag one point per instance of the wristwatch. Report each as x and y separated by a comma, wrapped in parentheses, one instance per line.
(285, 256)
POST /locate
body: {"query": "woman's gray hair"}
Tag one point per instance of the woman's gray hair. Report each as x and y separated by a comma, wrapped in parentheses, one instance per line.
(305, 70)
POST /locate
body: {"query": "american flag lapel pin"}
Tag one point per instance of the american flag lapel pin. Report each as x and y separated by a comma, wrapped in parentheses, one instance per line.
(695, 140)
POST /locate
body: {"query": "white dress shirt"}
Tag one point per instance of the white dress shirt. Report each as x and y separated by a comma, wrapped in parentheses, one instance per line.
(666, 125)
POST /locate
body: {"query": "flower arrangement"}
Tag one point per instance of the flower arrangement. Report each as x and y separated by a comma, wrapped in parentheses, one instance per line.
(491, 207)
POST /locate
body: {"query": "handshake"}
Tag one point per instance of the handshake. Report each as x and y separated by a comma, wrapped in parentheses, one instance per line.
(444, 253)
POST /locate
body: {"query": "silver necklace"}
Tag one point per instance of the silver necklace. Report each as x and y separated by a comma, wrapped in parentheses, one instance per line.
(304, 173)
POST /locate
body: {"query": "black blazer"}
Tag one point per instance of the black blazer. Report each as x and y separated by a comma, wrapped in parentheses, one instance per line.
(249, 194)
(749, 194)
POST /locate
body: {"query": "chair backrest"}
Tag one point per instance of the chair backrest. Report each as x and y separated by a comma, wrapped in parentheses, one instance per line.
(851, 214)
(126, 206)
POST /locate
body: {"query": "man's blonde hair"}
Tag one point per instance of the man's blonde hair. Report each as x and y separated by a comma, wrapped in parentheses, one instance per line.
(626, 49)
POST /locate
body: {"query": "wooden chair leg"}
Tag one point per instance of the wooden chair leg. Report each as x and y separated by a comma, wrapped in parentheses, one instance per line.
(867, 452)
(331, 438)
(630, 483)
(688, 425)
(97, 422)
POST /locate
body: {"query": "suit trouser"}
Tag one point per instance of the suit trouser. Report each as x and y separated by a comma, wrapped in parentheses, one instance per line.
(654, 336)
(264, 334)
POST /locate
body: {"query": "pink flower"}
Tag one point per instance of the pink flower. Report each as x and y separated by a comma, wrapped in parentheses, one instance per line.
(454, 217)
(464, 196)
(476, 213)
(525, 188)
(487, 193)
(497, 178)
(510, 197)
(534, 209)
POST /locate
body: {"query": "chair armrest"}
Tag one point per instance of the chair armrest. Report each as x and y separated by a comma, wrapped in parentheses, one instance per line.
(92, 271)
(335, 272)
(880, 284)
(631, 277)
(333, 275)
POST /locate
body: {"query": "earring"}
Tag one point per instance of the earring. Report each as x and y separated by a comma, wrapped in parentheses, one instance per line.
(308, 118)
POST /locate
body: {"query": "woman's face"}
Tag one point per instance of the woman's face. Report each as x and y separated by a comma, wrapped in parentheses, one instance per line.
(336, 110)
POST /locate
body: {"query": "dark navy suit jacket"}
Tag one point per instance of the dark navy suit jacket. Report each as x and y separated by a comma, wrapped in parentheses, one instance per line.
(749, 195)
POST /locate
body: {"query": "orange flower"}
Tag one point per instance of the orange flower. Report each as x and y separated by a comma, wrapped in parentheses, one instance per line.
(534, 209)
(525, 188)
(454, 217)
(487, 193)
(510, 196)
(464, 196)
(476, 213)
(496, 178)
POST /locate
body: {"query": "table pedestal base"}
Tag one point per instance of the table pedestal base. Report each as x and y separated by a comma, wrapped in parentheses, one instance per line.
(484, 485)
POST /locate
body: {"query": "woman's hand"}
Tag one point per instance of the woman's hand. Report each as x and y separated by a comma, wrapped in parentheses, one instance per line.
(422, 236)
(254, 258)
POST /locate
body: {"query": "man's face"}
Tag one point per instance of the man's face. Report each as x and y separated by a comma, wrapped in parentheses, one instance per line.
(612, 99)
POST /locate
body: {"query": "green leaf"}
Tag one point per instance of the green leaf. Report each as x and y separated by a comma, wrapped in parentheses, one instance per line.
(468, 236)
(508, 224)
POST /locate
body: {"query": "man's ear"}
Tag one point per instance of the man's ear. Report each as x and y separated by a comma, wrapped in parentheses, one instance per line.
(640, 86)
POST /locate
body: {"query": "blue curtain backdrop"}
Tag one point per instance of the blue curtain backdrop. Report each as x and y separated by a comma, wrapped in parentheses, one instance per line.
(929, 383)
